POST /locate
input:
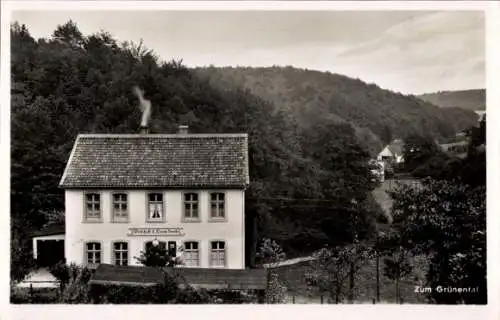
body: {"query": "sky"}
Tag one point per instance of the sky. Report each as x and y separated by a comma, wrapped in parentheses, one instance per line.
(404, 51)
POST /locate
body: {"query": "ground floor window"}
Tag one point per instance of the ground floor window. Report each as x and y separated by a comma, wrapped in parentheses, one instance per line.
(93, 253)
(217, 254)
(120, 253)
(191, 254)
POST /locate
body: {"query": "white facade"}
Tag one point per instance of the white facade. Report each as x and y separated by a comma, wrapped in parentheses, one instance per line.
(385, 153)
(106, 230)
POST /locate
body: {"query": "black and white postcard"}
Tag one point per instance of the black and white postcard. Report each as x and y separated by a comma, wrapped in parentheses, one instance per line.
(282, 154)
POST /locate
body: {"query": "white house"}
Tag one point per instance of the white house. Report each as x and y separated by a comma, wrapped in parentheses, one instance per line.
(124, 192)
(392, 152)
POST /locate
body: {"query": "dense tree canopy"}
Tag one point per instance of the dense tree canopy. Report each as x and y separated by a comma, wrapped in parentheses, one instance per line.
(418, 149)
(445, 218)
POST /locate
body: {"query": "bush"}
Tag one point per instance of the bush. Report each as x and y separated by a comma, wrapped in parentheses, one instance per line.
(22, 262)
(37, 295)
(119, 294)
(74, 284)
(66, 273)
(190, 295)
(157, 256)
(276, 291)
(232, 296)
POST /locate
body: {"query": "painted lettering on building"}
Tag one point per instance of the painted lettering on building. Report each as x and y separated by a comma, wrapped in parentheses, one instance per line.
(155, 232)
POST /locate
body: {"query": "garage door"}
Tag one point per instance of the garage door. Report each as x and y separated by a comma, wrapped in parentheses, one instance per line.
(50, 252)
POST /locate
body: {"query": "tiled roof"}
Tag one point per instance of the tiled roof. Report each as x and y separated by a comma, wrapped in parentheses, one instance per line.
(396, 147)
(196, 277)
(127, 275)
(52, 229)
(158, 161)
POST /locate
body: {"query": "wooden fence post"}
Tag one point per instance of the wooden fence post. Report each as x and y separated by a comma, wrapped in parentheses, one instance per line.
(261, 296)
(321, 298)
(31, 292)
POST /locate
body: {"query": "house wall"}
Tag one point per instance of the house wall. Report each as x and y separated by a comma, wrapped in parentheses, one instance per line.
(79, 232)
(384, 153)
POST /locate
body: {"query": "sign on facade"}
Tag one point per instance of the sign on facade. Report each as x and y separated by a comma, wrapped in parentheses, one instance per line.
(155, 232)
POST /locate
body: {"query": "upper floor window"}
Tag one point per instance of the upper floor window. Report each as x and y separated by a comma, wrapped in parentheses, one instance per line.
(155, 207)
(92, 206)
(191, 206)
(217, 254)
(120, 253)
(217, 206)
(93, 253)
(120, 207)
(191, 254)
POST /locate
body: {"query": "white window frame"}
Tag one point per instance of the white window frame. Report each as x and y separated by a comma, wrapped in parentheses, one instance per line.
(93, 202)
(149, 218)
(94, 251)
(218, 204)
(191, 203)
(188, 250)
(121, 251)
(217, 251)
(124, 216)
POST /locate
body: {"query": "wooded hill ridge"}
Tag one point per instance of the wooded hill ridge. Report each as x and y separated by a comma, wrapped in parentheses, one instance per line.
(377, 115)
(474, 100)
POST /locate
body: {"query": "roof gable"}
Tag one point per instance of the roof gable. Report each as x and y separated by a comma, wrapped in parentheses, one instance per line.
(158, 161)
(396, 147)
(386, 152)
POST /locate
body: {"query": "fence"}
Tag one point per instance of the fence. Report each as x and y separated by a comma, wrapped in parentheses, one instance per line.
(293, 277)
(35, 292)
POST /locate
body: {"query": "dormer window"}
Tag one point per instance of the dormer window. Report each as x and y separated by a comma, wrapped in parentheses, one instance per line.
(156, 211)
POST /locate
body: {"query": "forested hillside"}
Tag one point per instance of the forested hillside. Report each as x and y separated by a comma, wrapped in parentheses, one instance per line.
(309, 187)
(474, 100)
(310, 96)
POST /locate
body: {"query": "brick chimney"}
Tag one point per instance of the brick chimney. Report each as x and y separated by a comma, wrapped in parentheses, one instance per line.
(183, 129)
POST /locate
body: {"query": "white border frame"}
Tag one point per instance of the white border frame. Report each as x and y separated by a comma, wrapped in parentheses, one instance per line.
(491, 311)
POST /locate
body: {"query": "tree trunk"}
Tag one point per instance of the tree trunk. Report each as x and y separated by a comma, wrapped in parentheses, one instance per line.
(351, 282)
(332, 294)
(337, 292)
(377, 261)
(397, 289)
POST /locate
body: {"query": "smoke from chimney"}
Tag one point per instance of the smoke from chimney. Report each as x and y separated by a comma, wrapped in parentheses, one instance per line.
(145, 106)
